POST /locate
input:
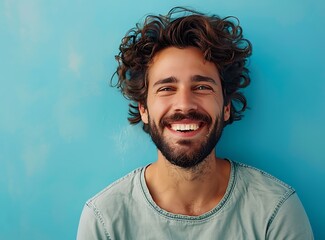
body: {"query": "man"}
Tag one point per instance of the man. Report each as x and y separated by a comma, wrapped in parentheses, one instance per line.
(182, 73)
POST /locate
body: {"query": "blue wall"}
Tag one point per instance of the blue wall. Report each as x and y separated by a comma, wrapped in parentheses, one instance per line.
(63, 131)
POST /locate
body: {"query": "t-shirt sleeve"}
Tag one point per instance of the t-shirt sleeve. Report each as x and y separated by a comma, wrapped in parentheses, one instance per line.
(91, 226)
(290, 222)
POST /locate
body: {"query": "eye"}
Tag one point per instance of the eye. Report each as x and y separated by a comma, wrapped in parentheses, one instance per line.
(165, 90)
(203, 88)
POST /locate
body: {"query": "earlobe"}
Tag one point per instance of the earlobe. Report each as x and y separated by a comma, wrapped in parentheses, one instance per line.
(226, 112)
(144, 113)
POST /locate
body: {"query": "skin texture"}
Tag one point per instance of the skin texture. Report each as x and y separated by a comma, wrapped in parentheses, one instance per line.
(181, 81)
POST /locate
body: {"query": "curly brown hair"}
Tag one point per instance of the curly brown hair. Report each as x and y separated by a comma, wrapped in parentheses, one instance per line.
(220, 40)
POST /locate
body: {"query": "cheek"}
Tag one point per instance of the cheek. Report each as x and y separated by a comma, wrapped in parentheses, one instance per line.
(214, 105)
(159, 107)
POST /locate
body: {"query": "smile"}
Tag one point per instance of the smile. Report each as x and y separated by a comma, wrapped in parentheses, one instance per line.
(184, 127)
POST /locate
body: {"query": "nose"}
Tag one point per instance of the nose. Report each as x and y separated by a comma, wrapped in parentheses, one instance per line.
(185, 101)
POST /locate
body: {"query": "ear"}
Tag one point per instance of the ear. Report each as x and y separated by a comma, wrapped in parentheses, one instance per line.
(226, 112)
(143, 112)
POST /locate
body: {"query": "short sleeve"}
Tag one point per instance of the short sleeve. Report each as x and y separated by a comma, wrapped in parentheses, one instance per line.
(90, 226)
(290, 222)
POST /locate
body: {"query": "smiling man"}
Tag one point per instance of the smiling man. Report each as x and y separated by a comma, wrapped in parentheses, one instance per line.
(182, 73)
(184, 110)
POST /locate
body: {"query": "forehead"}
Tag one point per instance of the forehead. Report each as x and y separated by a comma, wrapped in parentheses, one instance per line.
(181, 64)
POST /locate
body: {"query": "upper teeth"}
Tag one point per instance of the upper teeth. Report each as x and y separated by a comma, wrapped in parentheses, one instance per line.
(184, 127)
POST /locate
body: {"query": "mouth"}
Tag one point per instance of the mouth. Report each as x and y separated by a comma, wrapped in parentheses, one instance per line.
(186, 129)
(188, 125)
(181, 127)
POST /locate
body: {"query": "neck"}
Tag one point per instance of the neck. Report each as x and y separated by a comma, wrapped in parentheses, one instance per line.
(188, 191)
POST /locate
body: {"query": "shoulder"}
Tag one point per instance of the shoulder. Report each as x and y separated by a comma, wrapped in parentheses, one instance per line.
(257, 189)
(103, 210)
(259, 194)
(254, 179)
(116, 191)
(276, 200)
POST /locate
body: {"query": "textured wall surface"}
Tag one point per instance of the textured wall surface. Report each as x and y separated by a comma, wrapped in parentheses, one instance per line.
(63, 131)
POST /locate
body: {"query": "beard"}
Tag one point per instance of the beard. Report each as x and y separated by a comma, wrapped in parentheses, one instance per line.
(187, 154)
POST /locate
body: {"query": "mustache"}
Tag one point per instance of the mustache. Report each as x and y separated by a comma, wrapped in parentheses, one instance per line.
(196, 116)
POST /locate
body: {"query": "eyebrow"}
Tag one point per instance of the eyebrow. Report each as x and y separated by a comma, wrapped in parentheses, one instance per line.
(195, 78)
(200, 78)
(165, 80)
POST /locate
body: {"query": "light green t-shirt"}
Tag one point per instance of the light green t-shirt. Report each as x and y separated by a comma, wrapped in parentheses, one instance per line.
(255, 206)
